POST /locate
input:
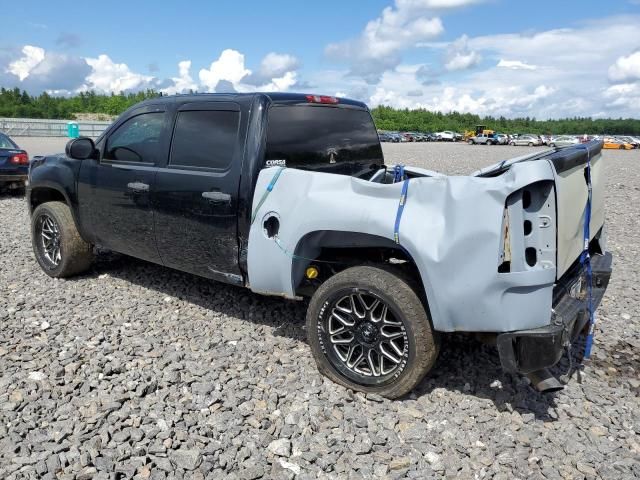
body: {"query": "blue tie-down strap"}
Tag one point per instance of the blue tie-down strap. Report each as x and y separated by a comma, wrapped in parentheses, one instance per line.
(266, 193)
(398, 173)
(401, 204)
(585, 261)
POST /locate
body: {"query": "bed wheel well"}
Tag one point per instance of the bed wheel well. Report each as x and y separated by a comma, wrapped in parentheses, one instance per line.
(330, 252)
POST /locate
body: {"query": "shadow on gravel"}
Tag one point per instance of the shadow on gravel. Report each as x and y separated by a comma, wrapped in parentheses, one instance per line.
(471, 367)
(286, 317)
(464, 365)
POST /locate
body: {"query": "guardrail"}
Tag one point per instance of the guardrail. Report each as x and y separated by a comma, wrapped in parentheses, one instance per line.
(36, 127)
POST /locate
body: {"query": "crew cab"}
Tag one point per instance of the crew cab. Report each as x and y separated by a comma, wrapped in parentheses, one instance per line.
(289, 195)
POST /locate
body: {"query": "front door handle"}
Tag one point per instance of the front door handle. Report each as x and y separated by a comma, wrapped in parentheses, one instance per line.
(217, 197)
(138, 187)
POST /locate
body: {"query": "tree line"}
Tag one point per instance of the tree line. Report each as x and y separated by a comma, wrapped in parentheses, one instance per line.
(19, 104)
(16, 103)
(420, 120)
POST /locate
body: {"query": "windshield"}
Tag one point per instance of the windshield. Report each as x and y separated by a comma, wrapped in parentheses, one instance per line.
(323, 139)
(6, 142)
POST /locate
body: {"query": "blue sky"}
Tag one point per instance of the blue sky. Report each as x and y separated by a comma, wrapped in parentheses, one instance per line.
(543, 59)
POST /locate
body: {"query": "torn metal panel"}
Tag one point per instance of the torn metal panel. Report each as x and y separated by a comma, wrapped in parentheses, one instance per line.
(451, 227)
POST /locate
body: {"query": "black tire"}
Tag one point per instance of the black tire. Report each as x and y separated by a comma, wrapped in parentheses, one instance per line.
(553, 145)
(531, 144)
(471, 142)
(418, 340)
(75, 255)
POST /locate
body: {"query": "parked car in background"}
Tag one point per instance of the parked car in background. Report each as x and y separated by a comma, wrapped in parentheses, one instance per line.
(615, 144)
(631, 140)
(563, 141)
(482, 139)
(14, 164)
(385, 137)
(501, 138)
(431, 137)
(545, 139)
(446, 136)
(530, 140)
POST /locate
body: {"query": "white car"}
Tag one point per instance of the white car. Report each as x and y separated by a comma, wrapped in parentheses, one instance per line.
(563, 141)
(447, 136)
(530, 140)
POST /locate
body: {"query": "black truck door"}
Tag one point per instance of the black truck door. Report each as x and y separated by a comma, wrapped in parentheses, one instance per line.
(196, 196)
(115, 189)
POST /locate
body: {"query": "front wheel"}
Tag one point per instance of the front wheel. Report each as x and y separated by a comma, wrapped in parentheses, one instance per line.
(57, 245)
(471, 142)
(369, 331)
(531, 144)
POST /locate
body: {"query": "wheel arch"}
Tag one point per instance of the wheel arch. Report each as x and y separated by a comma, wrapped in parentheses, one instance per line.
(47, 192)
(333, 251)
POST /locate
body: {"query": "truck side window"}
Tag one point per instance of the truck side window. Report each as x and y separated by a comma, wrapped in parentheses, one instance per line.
(137, 139)
(205, 139)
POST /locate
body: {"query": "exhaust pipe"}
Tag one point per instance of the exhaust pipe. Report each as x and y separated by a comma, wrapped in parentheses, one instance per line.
(544, 382)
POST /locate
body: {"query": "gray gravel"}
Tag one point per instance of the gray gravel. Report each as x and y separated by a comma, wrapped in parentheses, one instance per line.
(137, 371)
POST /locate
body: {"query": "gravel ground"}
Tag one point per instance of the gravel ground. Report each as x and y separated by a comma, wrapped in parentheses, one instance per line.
(134, 370)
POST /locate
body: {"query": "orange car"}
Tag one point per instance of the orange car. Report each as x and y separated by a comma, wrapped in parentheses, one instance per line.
(612, 143)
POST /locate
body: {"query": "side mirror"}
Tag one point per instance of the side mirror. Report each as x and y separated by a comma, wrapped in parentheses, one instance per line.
(80, 148)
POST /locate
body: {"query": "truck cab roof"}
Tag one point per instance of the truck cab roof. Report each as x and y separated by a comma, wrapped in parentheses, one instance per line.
(281, 98)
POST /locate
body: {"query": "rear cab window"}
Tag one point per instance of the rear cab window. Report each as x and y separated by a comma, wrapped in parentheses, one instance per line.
(329, 139)
(204, 139)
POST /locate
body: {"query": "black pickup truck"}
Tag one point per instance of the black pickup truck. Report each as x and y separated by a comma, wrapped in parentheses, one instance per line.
(288, 195)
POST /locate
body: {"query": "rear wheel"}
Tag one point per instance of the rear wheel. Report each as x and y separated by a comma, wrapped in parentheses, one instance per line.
(621, 147)
(57, 245)
(369, 331)
(531, 144)
(470, 142)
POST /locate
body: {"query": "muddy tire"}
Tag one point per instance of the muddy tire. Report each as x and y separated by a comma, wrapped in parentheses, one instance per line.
(369, 331)
(57, 245)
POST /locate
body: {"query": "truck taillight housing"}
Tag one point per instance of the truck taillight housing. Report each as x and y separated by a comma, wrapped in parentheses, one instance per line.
(19, 159)
(322, 99)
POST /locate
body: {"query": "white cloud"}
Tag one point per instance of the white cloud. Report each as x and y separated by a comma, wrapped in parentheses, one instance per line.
(277, 65)
(515, 65)
(229, 67)
(108, 76)
(22, 67)
(379, 46)
(183, 82)
(460, 57)
(626, 69)
(280, 84)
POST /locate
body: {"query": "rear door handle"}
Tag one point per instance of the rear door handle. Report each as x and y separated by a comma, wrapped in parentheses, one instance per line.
(217, 197)
(138, 187)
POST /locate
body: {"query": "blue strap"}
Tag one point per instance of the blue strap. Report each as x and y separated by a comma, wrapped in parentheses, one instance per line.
(585, 261)
(403, 201)
(398, 173)
(266, 193)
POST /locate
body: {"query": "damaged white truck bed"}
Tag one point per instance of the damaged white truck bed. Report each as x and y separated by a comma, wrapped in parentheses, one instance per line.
(495, 251)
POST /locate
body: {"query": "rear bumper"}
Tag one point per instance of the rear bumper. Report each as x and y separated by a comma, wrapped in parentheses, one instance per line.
(527, 351)
(13, 178)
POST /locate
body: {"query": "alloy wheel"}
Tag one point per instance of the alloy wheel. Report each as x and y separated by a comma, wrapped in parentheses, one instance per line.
(50, 239)
(364, 338)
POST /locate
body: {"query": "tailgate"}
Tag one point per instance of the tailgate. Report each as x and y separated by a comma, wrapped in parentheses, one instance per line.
(571, 199)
